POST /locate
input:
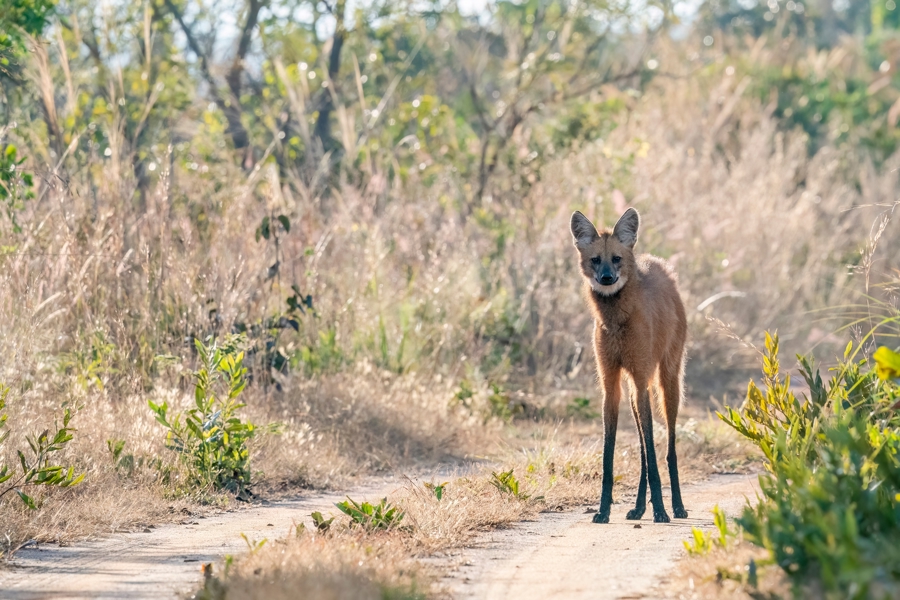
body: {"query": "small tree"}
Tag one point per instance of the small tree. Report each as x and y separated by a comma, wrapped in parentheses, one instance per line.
(210, 438)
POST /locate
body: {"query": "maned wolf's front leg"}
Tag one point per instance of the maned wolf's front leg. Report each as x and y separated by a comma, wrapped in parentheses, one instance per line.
(640, 504)
(645, 414)
(612, 397)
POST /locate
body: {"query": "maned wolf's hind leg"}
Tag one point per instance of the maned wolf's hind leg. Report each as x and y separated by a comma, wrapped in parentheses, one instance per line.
(640, 504)
(645, 415)
(670, 378)
(612, 395)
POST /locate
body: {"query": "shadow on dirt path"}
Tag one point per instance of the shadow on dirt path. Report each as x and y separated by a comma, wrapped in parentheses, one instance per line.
(164, 562)
(564, 555)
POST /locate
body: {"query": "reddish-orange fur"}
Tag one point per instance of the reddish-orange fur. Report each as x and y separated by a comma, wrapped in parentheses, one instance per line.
(640, 329)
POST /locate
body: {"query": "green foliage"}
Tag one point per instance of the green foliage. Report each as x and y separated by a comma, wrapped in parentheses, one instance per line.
(371, 516)
(831, 506)
(92, 366)
(702, 542)
(321, 523)
(464, 395)
(887, 363)
(124, 463)
(16, 186)
(268, 227)
(18, 17)
(324, 356)
(499, 405)
(253, 546)
(210, 438)
(436, 488)
(508, 485)
(580, 408)
(36, 466)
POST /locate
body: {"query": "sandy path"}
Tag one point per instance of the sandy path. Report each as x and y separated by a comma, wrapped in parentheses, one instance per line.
(163, 562)
(564, 555)
(558, 555)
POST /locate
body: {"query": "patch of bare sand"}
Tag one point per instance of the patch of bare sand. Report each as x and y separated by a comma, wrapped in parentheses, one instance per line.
(166, 561)
(565, 555)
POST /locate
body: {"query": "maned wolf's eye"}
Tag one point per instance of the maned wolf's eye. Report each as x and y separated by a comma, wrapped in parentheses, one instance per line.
(596, 260)
(617, 259)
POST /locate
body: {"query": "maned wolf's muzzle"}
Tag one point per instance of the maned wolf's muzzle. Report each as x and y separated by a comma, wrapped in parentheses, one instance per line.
(608, 280)
(606, 276)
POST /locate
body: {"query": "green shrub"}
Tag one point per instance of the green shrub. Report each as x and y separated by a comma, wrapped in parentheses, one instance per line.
(702, 542)
(371, 516)
(36, 467)
(580, 408)
(321, 523)
(437, 488)
(830, 512)
(508, 484)
(210, 438)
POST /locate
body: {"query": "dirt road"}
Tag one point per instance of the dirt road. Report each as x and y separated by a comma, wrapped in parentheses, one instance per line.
(558, 555)
(564, 555)
(163, 562)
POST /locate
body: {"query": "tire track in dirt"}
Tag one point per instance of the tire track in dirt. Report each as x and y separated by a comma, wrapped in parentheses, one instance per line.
(565, 555)
(164, 562)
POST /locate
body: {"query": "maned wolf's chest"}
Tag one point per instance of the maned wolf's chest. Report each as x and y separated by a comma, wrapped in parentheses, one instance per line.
(612, 332)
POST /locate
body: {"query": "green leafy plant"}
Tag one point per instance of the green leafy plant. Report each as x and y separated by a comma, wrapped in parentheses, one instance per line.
(254, 546)
(123, 462)
(36, 467)
(829, 511)
(321, 523)
(702, 542)
(507, 484)
(383, 515)
(210, 438)
(437, 488)
(18, 17)
(499, 402)
(887, 363)
(463, 395)
(16, 185)
(580, 408)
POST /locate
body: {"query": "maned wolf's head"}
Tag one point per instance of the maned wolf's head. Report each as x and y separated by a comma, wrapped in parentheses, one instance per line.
(607, 259)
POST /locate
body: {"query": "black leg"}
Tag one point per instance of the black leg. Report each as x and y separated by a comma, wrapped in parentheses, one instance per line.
(646, 425)
(640, 505)
(672, 460)
(612, 396)
(610, 422)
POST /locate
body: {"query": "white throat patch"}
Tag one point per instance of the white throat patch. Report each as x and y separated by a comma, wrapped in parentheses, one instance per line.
(608, 290)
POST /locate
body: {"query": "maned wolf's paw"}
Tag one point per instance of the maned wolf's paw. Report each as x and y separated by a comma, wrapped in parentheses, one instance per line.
(635, 514)
(680, 513)
(660, 517)
(601, 518)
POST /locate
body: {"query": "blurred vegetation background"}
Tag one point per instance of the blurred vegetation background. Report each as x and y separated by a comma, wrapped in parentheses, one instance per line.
(385, 186)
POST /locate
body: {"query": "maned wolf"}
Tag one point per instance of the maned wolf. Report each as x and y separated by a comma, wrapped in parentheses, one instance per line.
(639, 328)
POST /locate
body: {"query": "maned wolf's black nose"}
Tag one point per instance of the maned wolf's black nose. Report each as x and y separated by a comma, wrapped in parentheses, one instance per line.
(608, 280)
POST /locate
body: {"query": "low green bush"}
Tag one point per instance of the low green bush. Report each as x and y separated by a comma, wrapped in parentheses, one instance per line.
(830, 511)
(383, 515)
(211, 438)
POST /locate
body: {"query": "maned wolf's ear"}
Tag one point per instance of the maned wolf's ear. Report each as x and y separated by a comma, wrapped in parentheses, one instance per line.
(583, 230)
(627, 227)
